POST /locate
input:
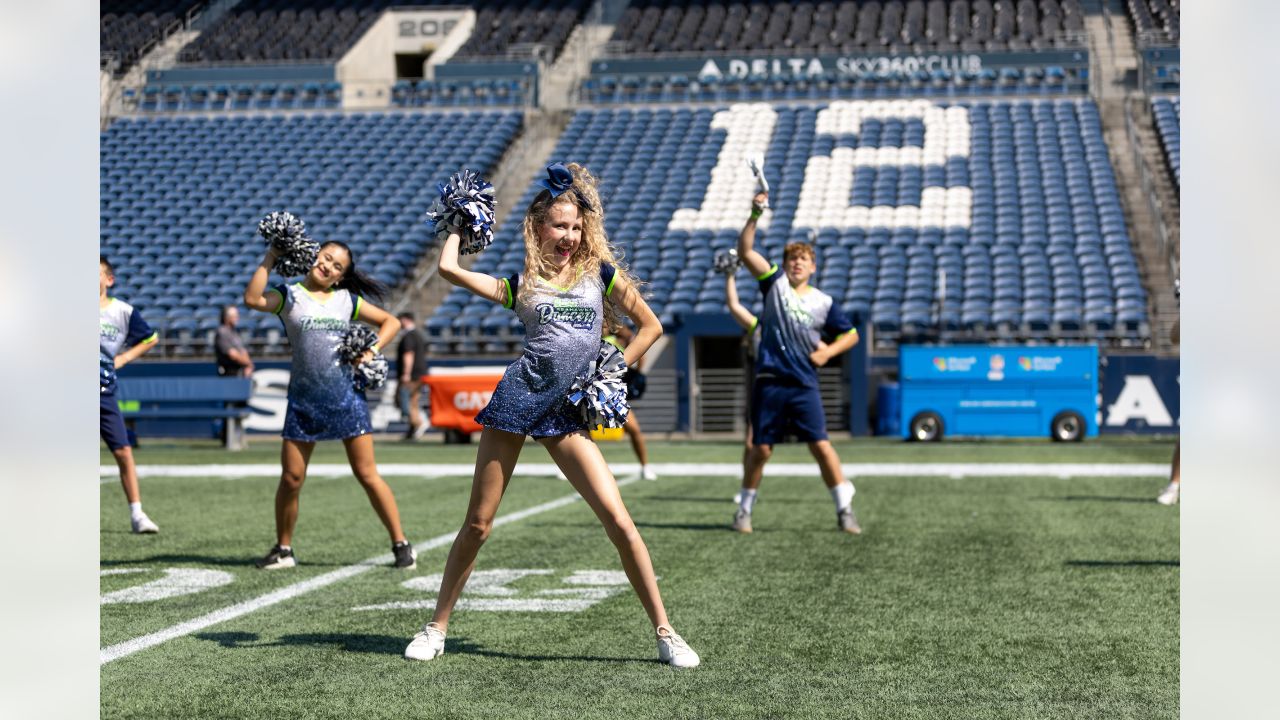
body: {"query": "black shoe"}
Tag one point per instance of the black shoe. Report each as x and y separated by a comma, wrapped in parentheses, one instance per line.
(277, 558)
(848, 522)
(406, 558)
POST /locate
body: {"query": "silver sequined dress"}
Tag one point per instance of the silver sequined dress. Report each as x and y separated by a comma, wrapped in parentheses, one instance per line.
(562, 337)
(323, 404)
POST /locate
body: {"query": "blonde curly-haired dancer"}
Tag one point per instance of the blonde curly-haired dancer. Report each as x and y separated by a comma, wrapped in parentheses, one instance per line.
(570, 271)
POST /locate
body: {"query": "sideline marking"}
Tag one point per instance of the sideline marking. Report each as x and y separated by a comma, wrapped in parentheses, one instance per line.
(128, 647)
(109, 473)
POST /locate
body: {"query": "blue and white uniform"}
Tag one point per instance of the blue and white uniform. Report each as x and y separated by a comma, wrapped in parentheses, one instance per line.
(120, 327)
(323, 403)
(785, 394)
(562, 337)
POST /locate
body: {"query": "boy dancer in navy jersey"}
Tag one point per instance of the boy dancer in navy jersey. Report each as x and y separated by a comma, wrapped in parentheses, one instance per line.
(795, 319)
(123, 336)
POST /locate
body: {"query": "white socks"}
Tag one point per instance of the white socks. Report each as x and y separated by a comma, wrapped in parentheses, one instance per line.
(748, 500)
(842, 494)
(135, 511)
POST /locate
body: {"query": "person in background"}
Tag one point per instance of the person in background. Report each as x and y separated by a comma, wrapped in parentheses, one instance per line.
(751, 324)
(1172, 491)
(411, 364)
(232, 356)
(621, 337)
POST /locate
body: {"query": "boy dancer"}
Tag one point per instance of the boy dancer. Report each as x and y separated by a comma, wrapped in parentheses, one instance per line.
(785, 395)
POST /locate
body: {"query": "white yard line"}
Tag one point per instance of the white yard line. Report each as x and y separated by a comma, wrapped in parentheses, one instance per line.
(128, 647)
(109, 473)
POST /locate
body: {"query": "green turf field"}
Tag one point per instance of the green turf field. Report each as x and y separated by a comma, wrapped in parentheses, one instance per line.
(976, 597)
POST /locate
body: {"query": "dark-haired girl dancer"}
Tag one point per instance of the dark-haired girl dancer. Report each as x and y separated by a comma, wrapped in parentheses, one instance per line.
(323, 403)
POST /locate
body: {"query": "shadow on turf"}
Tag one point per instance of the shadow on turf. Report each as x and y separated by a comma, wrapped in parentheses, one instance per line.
(1123, 563)
(1099, 498)
(386, 645)
(728, 500)
(200, 559)
(711, 527)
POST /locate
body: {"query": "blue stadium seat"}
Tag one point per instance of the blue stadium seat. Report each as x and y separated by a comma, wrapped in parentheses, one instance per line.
(202, 183)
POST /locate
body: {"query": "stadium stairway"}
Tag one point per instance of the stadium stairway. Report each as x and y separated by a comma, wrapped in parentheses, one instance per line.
(1163, 181)
(164, 55)
(1111, 39)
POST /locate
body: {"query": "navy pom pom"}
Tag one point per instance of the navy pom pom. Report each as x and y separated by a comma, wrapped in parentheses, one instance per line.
(727, 262)
(359, 339)
(465, 206)
(288, 235)
(106, 373)
(600, 394)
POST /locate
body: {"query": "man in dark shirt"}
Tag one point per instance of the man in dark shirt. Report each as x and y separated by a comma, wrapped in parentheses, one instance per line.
(233, 357)
(411, 363)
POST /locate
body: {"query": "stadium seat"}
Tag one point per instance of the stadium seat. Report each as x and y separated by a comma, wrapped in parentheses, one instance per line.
(204, 204)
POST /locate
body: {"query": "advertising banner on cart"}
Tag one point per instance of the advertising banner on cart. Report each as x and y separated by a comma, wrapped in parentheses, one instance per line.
(1140, 394)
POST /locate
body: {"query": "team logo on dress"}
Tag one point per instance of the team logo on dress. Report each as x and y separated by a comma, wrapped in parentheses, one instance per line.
(577, 316)
(795, 309)
(310, 323)
(107, 331)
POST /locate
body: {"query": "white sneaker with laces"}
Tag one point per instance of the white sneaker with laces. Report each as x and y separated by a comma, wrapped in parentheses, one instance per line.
(647, 473)
(143, 525)
(426, 645)
(1169, 496)
(673, 650)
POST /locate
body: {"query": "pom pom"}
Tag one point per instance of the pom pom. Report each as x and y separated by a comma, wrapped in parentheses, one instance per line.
(727, 262)
(600, 394)
(465, 206)
(106, 373)
(359, 339)
(288, 235)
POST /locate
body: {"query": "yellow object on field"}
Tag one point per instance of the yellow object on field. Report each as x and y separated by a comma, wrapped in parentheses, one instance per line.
(601, 432)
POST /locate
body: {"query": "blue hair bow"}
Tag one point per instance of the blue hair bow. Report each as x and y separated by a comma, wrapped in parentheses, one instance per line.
(559, 179)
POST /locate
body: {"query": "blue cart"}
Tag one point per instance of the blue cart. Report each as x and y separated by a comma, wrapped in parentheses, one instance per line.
(993, 390)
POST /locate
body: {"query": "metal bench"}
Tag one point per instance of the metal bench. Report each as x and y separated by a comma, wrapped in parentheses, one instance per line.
(190, 398)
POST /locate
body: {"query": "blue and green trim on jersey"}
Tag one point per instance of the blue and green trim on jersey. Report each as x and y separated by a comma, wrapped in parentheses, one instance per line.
(283, 289)
(791, 326)
(608, 276)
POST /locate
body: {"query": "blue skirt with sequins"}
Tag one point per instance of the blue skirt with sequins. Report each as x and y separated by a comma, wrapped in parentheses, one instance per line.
(514, 409)
(310, 421)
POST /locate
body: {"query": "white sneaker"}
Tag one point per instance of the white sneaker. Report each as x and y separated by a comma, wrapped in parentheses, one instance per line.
(647, 473)
(426, 645)
(143, 525)
(673, 650)
(421, 430)
(1168, 496)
